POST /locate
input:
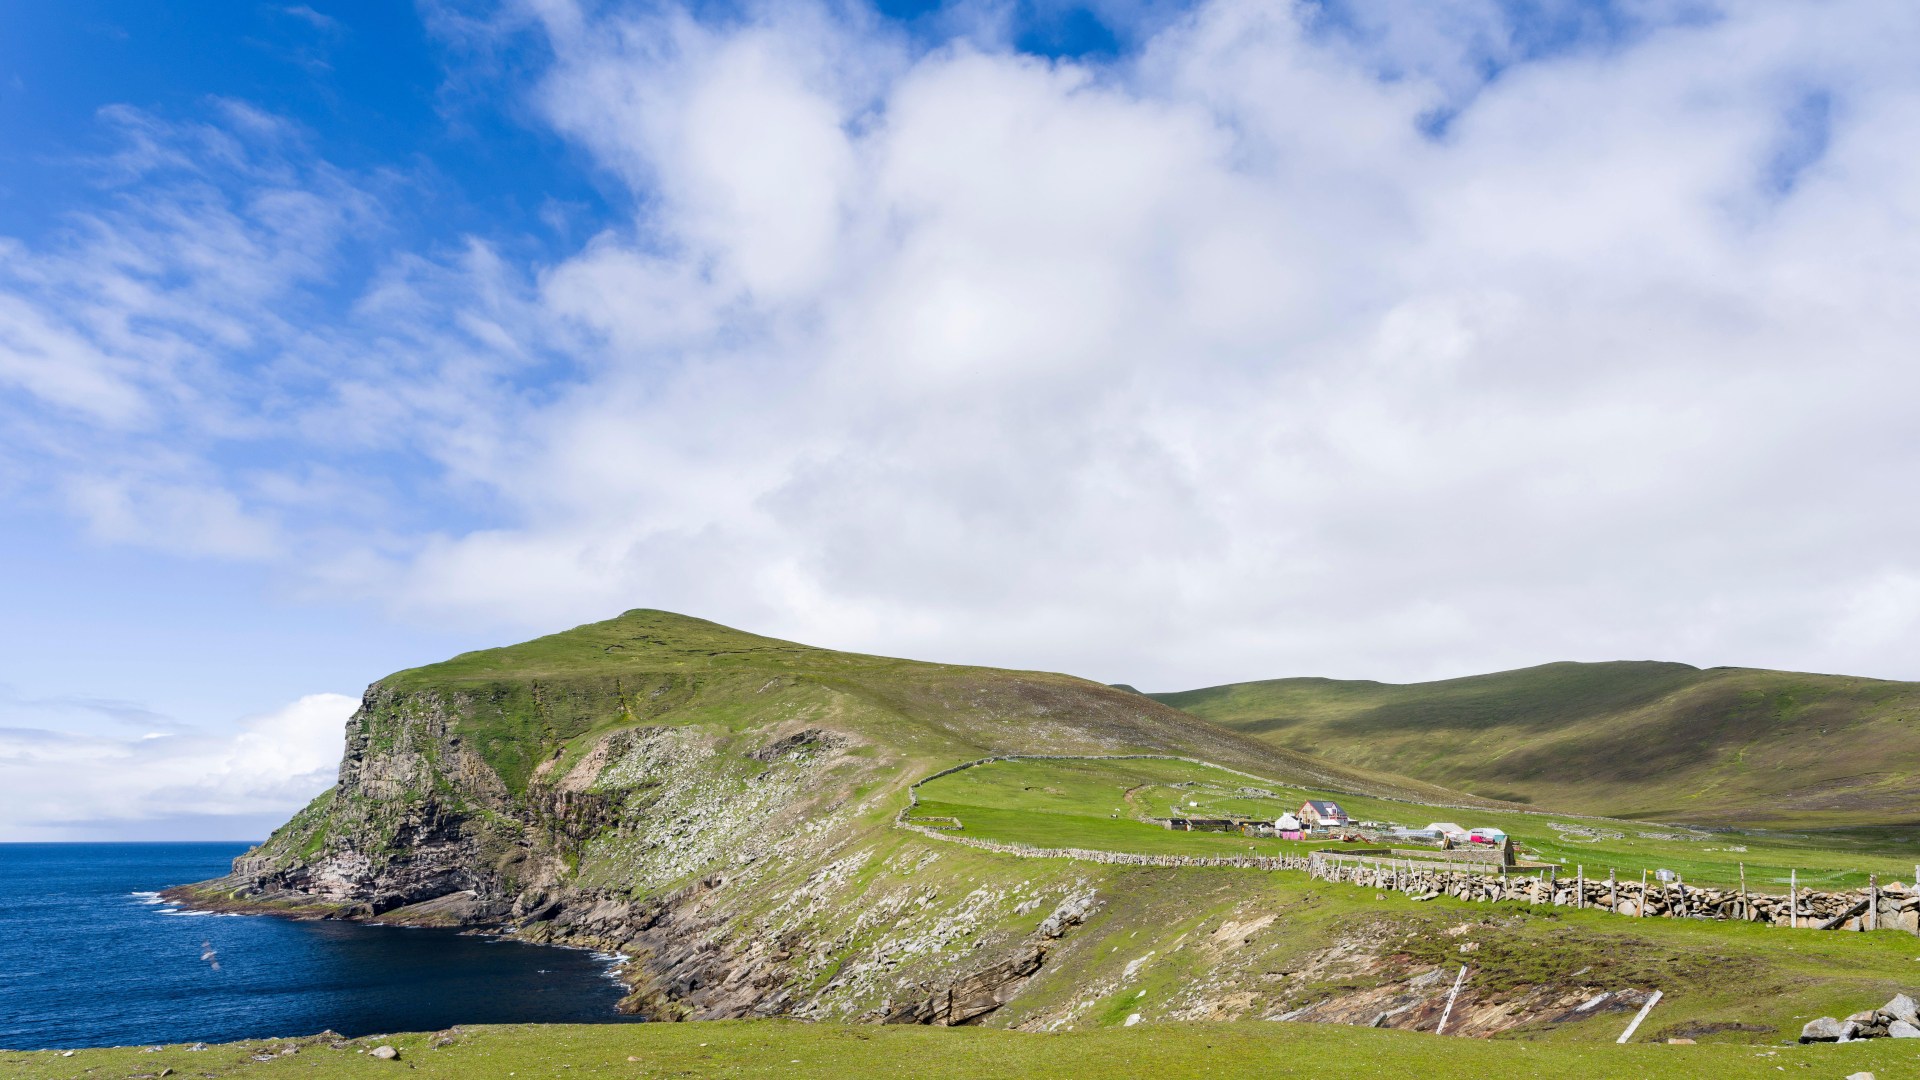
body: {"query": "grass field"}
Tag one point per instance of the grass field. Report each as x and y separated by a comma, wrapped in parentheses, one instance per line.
(1665, 742)
(1098, 804)
(1254, 1051)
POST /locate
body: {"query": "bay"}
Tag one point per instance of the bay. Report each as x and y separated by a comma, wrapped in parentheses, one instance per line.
(90, 956)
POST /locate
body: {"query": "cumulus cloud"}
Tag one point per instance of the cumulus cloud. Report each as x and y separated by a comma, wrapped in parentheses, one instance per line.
(105, 769)
(1374, 340)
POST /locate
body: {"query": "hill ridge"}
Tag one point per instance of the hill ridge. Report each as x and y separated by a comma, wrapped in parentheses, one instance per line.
(1628, 738)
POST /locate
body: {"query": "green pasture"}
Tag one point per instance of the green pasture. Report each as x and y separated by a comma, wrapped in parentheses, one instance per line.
(1086, 803)
(1254, 1051)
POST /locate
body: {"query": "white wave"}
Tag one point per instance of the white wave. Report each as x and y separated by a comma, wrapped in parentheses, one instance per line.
(147, 897)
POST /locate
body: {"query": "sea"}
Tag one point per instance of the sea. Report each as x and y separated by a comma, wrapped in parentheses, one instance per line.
(90, 955)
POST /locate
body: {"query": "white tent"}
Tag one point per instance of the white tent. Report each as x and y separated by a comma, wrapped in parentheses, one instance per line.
(1287, 823)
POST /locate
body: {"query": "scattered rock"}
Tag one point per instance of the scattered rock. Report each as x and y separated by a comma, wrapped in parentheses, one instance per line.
(1680, 1042)
(1860, 1076)
(385, 1053)
(1071, 912)
(1902, 1007)
(1900, 1029)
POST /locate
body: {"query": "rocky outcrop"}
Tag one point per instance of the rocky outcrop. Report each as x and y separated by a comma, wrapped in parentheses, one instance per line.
(1896, 1019)
(977, 993)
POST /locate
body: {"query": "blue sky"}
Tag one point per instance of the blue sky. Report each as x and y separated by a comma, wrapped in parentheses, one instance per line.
(1167, 344)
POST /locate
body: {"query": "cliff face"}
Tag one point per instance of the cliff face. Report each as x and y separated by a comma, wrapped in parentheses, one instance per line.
(408, 820)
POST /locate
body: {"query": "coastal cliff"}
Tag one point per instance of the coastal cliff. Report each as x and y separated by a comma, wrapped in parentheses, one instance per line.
(715, 806)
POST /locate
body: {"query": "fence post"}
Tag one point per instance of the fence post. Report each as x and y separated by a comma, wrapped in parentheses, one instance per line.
(1873, 901)
(1580, 886)
(1642, 1015)
(1745, 914)
(1793, 899)
(1642, 913)
(1448, 1011)
(1613, 892)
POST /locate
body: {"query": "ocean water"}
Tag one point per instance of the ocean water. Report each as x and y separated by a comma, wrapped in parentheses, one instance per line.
(90, 956)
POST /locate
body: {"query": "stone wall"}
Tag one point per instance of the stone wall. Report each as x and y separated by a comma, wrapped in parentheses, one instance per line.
(1892, 907)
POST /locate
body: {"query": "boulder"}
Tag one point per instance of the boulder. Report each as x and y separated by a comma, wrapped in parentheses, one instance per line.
(1902, 1007)
(385, 1053)
(1825, 1029)
(1900, 1029)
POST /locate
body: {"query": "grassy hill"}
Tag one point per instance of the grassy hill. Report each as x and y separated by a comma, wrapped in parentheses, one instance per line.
(557, 695)
(1721, 746)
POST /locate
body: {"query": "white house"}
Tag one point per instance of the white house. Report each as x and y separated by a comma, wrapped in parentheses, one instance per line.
(1321, 812)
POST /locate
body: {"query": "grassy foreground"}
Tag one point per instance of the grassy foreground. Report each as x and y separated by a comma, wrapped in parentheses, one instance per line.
(773, 1048)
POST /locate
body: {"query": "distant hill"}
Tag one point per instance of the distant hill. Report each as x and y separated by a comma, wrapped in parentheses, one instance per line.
(1630, 739)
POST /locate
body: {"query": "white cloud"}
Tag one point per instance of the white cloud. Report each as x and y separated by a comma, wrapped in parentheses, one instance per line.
(73, 783)
(1214, 364)
(1220, 360)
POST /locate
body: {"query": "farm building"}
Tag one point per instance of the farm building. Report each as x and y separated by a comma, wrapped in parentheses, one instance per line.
(1287, 823)
(1203, 824)
(1322, 813)
(1448, 829)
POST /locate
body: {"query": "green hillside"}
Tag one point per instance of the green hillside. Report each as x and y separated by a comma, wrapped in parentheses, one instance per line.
(1722, 746)
(550, 699)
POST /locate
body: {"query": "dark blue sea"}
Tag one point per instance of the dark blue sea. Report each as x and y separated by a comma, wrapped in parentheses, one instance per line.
(90, 956)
